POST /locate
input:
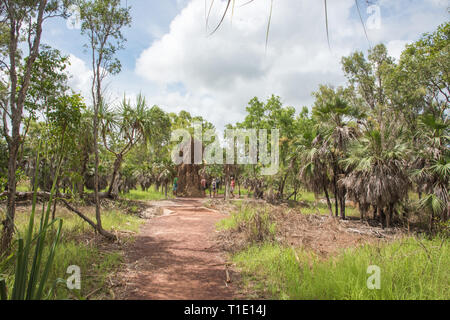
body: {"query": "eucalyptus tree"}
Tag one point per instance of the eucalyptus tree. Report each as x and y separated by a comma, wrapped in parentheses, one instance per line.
(22, 27)
(102, 22)
(273, 115)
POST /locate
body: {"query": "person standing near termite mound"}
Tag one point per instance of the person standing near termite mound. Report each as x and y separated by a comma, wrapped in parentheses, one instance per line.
(175, 186)
(232, 185)
(214, 186)
(203, 185)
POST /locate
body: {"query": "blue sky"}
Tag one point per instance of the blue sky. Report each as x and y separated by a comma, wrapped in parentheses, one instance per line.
(170, 58)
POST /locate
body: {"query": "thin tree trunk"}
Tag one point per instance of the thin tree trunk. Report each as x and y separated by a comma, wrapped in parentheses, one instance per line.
(239, 187)
(8, 223)
(328, 200)
(336, 200)
(342, 199)
(361, 211)
(97, 102)
(382, 216)
(165, 189)
(113, 190)
(17, 100)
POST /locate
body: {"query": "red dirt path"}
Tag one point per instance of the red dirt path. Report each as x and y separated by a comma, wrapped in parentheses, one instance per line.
(175, 256)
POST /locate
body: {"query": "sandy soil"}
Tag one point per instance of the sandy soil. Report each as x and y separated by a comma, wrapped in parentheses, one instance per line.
(175, 256)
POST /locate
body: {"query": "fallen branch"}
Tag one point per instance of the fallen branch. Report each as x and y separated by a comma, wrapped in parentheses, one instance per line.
(100, 230)
(80, 214)
(28, 196)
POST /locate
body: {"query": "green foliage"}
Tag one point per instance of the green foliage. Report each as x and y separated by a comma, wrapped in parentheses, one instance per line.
(256, 222)
(102, 22)
(29, 284)
(411, 269)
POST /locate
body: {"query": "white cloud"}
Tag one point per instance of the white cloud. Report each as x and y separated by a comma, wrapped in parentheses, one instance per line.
(80, 75)
(220, 73)
(396, 47)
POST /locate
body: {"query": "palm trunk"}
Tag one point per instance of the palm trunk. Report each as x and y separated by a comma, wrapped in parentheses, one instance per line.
(328, 200)
(342, 199)
(336, 197)
(113, 190)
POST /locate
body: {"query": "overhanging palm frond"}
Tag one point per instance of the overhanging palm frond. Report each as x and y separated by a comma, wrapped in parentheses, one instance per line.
(231, 4)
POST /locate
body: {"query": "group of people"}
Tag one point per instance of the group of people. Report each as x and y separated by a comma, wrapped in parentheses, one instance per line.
(215, 185)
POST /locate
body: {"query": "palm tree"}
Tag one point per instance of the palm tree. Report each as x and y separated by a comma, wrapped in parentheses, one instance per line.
(315, 172)
(230, 6)
(331, 110)
(378, 177)
(121, 131)
(432, 165)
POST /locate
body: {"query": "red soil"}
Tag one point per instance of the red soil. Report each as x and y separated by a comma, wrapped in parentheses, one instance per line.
(175, 257)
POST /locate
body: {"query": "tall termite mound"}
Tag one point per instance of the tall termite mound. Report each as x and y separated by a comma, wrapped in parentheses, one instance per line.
(188, 173)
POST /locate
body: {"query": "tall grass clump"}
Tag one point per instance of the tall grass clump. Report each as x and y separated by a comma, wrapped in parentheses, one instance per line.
(411, 269)
(34, 255)
(256, 223)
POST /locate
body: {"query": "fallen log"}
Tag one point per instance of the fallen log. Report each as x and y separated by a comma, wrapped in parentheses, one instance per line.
(28, 196)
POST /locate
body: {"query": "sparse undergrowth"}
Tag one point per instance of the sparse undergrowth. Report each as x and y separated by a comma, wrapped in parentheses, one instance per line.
(150, 195)
(409, 270)
(305, 256)
(98, 259)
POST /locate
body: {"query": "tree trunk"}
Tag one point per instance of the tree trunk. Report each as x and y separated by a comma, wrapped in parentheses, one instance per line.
(113, 190)
(17, 96)
(328, 200)
(342, 200)
(239, 187)
(382, 217)
(336, 201)
(8, 223)
(282, 185)
(97, 102)
(361, 211)
(165, 189)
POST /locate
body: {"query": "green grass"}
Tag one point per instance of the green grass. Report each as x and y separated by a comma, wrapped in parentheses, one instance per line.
(150, 195)
(243, 214)
(408, 271)
(322, 209)
(78, 247)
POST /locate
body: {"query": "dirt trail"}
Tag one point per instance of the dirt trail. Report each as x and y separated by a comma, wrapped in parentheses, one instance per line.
(175, 256)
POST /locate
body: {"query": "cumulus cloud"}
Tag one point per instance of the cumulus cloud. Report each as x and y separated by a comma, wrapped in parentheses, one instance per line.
(223, 71)
(80, 75)
(216, 75)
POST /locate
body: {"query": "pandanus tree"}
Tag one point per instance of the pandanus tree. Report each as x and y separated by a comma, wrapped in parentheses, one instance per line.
(121, 131)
